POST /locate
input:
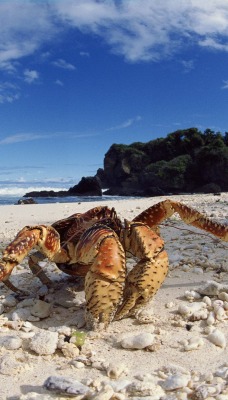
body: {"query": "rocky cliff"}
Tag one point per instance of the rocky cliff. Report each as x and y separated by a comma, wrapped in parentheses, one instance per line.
(184, 161)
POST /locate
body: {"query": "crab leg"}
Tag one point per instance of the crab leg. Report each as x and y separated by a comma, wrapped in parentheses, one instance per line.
(36, 269)
(159, 212)
(147, 276)
(99, 248)
(45, 238)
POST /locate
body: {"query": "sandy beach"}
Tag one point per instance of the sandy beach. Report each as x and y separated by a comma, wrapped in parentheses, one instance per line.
(182, 335)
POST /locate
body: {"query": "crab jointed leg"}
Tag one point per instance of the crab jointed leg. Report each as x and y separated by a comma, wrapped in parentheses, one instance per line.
(159, 212)
(100, 248)
(45, 238)
(93, 245)
(147, 276)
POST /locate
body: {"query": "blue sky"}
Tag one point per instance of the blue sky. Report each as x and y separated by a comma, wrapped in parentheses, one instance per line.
(79, 75)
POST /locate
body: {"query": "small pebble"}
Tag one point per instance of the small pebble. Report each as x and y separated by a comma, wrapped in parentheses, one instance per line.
(10, 301)
(44, 342)
(41, 309)
(10, 342)
(223, 296)
(192, 295)
(210, 288)
(222, 372)
(145, 388)
(66, 386)
(211, 318)
(171, 304)
(193, 344)
(114, 370)
(78, 364)
(197, 270)
(69, 350)
(175, 381)
(26, 303)
(217, 337)
(193, 311)
(21, 314)
(185, 268)
(140, 341)
(207, 301)
(27, 326)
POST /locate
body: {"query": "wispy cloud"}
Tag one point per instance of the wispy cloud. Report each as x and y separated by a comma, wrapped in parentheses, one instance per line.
(125, 124)
(23, 29)
(84, 54)
(225, 84)
(23, 137)
(30, 75)
(188, 65)
(8, 92)
(146, 30)
(214, 44)
(28, 137)
(60, 63)
(139, 30)
(59, 82)
(8, 98)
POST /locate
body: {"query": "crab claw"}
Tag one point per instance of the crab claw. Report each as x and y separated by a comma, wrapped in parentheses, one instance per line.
(5, 271)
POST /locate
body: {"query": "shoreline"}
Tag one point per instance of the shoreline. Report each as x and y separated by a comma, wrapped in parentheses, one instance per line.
(29, 214)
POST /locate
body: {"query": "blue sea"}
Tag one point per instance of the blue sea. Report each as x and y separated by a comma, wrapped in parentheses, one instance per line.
(12, 193)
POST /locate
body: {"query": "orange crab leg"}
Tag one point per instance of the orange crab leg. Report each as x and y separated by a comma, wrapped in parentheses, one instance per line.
(100, 249)
(159, 212)
(144, 280)
(45, 238)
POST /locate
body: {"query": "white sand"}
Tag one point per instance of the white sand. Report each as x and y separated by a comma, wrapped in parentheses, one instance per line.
(185, 245)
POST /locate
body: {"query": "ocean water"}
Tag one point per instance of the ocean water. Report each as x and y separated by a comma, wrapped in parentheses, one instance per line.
(11, 194)
(9, 200)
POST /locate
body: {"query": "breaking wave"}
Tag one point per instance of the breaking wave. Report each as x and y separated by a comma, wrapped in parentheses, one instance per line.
(10, 193)
(20, 191)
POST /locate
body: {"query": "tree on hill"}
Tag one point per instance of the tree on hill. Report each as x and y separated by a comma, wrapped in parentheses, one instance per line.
(185, 160)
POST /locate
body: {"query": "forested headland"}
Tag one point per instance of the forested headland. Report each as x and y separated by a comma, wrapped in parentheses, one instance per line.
(184, 161)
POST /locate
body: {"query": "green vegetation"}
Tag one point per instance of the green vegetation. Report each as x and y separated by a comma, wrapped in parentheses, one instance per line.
(185, 160)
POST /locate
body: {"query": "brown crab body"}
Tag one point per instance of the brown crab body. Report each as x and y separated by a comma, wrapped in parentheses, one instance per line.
(94, 245)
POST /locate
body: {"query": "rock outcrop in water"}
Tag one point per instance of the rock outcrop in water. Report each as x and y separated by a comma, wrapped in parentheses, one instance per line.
(88, 186)
(29, 200)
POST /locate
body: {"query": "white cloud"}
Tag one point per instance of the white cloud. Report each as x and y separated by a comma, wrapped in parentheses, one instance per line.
(138, 30)
(143, 30)
(214, 44)
(8, 92)
(24, 27)
(59, 82)
(30, 75)
(84, 54)
(188, 65)
(28, 137)
(60, 63)
(8, 98)
(225, 84)
(125, 124)
(21, 137)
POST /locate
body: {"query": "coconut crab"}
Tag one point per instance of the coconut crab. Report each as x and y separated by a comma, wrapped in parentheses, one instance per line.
(94, 245)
